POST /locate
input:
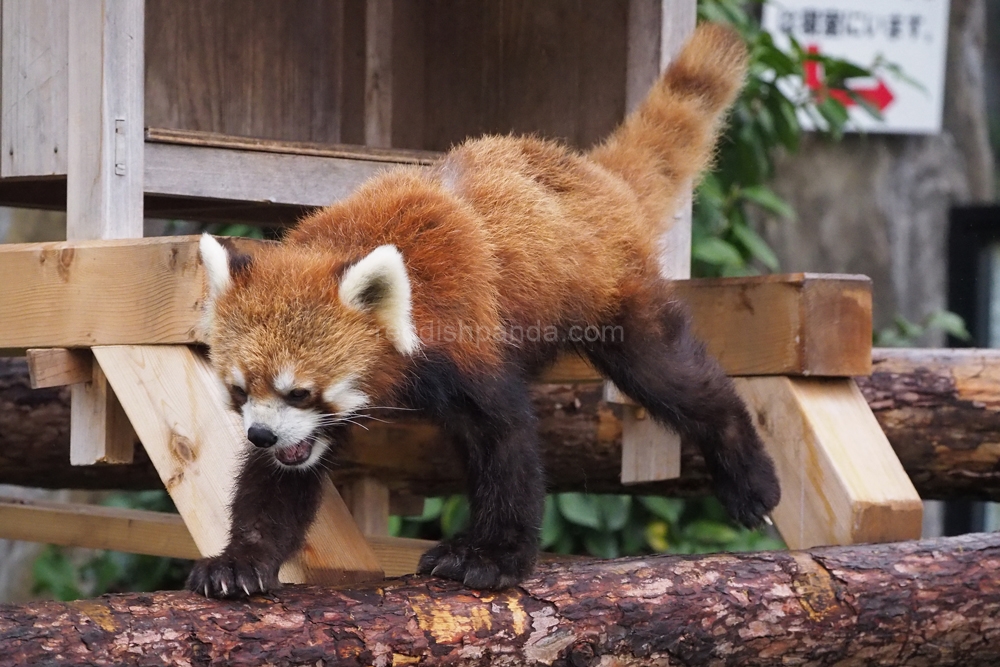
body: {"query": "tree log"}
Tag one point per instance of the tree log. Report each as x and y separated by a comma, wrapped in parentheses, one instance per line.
(939, 408)
(915, 603)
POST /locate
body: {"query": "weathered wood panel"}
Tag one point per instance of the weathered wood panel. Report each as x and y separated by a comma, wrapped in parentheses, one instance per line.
(34, 95)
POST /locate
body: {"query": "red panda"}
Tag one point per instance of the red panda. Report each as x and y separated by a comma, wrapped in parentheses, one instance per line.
(410, 292)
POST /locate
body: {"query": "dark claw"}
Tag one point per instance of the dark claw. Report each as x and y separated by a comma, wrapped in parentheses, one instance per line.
(228, 577)
(479, 565)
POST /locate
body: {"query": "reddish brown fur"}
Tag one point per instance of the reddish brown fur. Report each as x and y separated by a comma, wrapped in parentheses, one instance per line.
(504, 231)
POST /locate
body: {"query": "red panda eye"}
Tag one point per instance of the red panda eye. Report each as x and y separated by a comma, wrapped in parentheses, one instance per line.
(238, 392)
(299, 394)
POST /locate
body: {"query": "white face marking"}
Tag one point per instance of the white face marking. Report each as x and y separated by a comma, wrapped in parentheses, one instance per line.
(344, 396)
(284, 381)
(237, 378)
(291, 425)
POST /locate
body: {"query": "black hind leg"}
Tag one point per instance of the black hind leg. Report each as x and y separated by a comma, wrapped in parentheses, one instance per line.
(651, 355)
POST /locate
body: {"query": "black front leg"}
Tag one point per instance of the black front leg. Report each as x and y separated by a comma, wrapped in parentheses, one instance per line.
(271, 511)
(492, 421)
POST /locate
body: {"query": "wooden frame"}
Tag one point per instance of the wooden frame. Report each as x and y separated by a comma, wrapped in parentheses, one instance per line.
(136, 303)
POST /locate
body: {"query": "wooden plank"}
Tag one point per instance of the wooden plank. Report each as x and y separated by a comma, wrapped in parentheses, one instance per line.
(253, 175)
(652, 451)
(152, 533)
(398, 555)
(793, 324)
(149, 291)
(33, 99)
(378, 73)
(841, 482)
(100, 431)
(103, 181)
(100, 292)
(96, 527)
(368, 500)
(105, 160)
(385, 156)
(58, 367)
(180, 411)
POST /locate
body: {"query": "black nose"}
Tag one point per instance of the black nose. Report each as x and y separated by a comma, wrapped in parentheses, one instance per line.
(261, 436)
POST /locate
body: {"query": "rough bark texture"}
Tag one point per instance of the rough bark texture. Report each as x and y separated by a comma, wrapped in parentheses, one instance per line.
(879, 204)
(932, 603)
(939, 408)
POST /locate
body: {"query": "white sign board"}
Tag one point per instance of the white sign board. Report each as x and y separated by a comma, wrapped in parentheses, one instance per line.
(911, 34)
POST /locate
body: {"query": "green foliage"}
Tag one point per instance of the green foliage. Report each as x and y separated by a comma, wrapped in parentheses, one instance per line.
(58, 575)
(904, 333)
(607, 526)
(764, 120)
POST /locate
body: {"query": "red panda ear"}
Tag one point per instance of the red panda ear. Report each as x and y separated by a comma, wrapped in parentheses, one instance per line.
(379, 284)
(221, 262)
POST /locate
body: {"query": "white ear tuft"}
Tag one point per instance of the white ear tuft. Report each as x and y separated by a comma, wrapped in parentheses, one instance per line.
(380, 285)
(216, 261)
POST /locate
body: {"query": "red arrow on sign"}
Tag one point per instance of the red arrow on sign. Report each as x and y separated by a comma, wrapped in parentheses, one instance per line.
(879, 97)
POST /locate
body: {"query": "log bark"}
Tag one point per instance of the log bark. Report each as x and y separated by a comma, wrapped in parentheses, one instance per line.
(939, 408)
(915, 603)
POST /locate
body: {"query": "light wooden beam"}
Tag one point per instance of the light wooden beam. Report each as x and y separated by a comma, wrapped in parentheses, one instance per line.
(58, 367)
(657, 29)
(152, 533)
(841, 480)
(104, 181)
(179, 410)
(368, 500)
(149, 291)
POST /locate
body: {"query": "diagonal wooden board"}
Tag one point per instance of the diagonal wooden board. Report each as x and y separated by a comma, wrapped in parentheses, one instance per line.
(179, 412)
(841, 480)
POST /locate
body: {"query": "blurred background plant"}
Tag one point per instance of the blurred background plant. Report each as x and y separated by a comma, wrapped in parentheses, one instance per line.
(764, 121)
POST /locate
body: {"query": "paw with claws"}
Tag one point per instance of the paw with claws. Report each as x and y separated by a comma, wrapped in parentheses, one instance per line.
(231, 577)
(480, 564)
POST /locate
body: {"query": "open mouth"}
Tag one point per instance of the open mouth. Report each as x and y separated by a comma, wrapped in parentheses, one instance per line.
(294, 455)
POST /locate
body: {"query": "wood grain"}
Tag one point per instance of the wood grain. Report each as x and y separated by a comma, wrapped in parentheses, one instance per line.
(152, 533)
(57, 366)
(841, 482)
(100, 431)
(34, 81)
(652, 451)
(149, 291)
(368, 500)
(180, 412)
(913, 604)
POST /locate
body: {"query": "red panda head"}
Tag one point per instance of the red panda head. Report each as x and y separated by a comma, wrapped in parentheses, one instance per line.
(303, 341)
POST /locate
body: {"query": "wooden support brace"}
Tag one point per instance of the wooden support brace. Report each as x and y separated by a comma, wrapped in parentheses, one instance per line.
(58, 367)
(368, 499)
(841, 482)
(656, 31)
(179, 410)
(104, 181)
(153, 533)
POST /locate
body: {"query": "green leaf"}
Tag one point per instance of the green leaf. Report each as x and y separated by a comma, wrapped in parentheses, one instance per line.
(552, 524)
(614, 511)
(716, 252)
(602, 544)
(764, 197)
(454, 515)
(950, 323)
(432, 510)
(757, 246)
(579, 508)
(711, 532)
(668, 509)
